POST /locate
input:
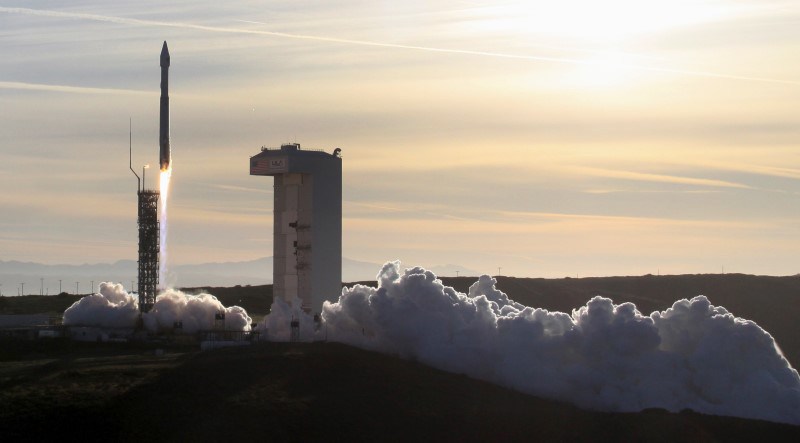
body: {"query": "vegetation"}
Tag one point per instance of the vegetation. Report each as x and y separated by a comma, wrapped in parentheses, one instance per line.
(37, 304)
(302, 392)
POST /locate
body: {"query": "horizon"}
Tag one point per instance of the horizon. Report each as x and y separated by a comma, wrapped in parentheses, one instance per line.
(580, 139)
(355, 272)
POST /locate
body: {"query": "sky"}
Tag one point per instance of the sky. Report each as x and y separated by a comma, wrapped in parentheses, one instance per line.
(529, 138)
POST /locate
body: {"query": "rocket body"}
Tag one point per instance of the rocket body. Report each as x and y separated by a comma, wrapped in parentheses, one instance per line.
(165, 156)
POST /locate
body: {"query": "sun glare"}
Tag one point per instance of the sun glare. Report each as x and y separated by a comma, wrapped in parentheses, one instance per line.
(608, 20)
(602, 70)
(601, 38)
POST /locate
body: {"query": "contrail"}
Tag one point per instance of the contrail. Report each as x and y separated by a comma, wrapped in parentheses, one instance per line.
(565, 60)
(69, 89)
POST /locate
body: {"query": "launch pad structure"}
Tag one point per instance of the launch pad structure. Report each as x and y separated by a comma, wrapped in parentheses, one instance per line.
(149, 248)
(149, 233)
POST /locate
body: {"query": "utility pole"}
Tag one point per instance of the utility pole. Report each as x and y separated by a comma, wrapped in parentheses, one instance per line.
(456, 273)
(92, 288)
(59, 286)
(23, 289)
(41, 286)
(498, 271)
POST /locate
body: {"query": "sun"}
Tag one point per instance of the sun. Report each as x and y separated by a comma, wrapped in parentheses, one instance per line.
(608, 20)
(603, 71)
(601, 40)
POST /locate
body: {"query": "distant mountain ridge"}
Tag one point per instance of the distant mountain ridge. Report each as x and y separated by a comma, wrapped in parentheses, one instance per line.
(13, 274)
(19, 267)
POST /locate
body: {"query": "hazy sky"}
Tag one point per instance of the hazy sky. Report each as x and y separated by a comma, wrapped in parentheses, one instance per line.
(546, 138)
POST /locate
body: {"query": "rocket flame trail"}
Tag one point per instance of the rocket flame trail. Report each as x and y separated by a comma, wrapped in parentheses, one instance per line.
(166, 175)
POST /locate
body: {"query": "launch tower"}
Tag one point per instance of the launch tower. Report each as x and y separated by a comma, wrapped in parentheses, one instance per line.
(149, 231)
(148, 248)
(307, 228)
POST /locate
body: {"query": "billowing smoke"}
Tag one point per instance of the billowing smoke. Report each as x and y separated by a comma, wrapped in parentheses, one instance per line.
(114, 307)
(276, 326)
(195, 312)
(601, 356)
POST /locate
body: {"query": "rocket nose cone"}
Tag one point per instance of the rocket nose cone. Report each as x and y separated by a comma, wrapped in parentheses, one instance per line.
(164, 55)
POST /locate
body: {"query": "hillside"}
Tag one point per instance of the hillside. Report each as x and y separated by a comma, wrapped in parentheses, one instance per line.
(304, 392)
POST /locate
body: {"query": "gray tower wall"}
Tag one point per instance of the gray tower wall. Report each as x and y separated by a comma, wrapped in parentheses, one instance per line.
(307, 230)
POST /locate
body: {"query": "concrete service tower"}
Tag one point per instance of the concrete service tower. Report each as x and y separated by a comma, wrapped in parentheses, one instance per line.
(307, 236)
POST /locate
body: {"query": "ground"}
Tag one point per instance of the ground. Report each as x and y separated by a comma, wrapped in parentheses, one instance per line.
(300, 392)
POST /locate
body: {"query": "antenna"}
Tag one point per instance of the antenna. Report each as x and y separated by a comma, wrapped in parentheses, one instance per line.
(130, 154)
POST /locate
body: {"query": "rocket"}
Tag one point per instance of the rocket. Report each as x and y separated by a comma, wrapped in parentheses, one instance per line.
(165, 153)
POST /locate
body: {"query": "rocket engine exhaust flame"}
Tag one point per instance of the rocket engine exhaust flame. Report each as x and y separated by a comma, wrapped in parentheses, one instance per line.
(166, 175)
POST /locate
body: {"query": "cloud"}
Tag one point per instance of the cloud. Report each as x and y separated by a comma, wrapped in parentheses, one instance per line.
(658, 178)
(563, 60)
(111, 307)
(115, 307)
(195, 312)
(70, 89)
(601, 356)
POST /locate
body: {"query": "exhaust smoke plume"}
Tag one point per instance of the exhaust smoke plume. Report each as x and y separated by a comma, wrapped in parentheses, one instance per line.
(113, 307)
(196, 312)
(602, 356)
(276, 326)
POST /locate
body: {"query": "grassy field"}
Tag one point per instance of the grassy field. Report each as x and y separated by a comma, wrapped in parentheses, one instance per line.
(48, 386)
(37, 304)
(300, 392)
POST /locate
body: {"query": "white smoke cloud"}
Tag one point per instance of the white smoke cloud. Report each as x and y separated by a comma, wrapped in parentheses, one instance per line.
(276, 326)
(114, 307)
(601, 356)
(196, 312)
